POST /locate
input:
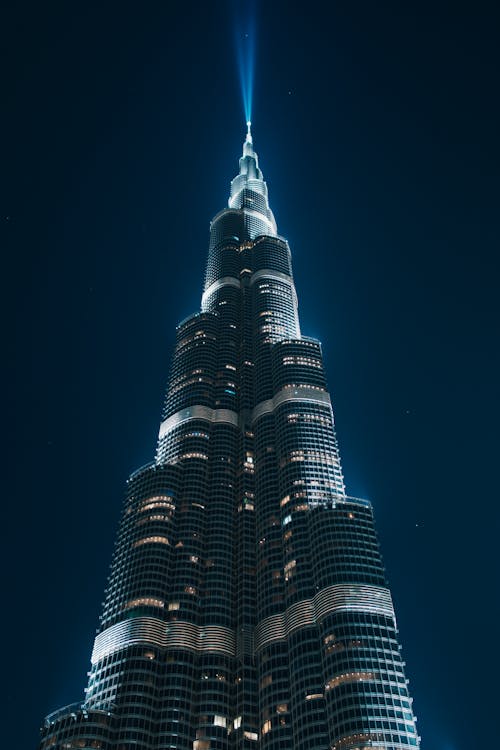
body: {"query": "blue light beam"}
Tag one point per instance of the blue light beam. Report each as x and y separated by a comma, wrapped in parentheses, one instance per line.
(245, 49)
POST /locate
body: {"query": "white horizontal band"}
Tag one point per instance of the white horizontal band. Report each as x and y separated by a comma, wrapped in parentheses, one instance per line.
(224, 281)
(227, 416)
(291, 393)
(198, 412)
(150, 631)
(248, 212)
(269, 273)
(263, 273)
(340, 598)
(353, 597)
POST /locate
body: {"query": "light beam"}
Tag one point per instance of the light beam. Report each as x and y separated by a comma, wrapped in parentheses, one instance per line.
(245, 49)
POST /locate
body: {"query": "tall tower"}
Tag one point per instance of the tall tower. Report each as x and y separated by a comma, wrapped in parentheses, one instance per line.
(247, 606)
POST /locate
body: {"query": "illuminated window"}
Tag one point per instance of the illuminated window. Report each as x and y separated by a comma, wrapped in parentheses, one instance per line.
(282, 708)
(192, 454)
(157, 504)
(158, 501)
(309, 361)
(348, 677)
(266, 727)
(251, 736)
(144, 601)
(190, 590)
(173, 606)
(151, 540)
(267, 680)
(314, 696)
(155, 517)
(220, 721)
(237, 722)
(289, 569)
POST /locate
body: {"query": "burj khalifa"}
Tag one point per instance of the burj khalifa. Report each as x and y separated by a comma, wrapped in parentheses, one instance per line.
(247, 606)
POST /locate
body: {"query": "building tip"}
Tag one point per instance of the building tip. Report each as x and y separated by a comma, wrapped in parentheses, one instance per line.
(248, 139)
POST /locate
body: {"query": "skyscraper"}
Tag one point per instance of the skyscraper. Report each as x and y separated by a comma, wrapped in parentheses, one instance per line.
(247, 605)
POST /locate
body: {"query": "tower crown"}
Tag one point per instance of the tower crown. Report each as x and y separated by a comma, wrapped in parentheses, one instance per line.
(248, 187)
(249, 162)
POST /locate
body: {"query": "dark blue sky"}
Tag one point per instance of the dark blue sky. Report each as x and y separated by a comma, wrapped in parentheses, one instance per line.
(377, 127)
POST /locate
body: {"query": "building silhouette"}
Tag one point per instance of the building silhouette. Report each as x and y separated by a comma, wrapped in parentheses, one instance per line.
(247, 606)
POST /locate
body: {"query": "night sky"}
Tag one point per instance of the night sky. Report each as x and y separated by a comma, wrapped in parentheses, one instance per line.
(377, 127)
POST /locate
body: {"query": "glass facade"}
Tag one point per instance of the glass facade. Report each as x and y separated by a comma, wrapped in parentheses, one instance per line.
(247, 605)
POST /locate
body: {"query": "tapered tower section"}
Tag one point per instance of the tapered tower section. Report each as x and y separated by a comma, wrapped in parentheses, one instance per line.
(247, 605)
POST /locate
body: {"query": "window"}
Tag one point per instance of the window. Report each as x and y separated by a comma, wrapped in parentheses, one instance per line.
(144, 601)
(344, 679)
(159, 501)
(151, 540)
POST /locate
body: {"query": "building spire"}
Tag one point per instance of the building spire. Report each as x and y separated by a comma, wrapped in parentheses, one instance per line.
(248, 146)
(249, 191)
